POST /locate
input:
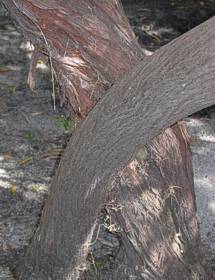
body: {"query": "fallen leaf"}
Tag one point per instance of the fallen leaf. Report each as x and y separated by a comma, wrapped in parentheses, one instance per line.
(40, 61)
(4, 69)
(13, 190)
(7, 156)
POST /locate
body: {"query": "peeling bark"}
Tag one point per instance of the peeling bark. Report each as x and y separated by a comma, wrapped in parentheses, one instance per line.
(90, 45)
(147, 190)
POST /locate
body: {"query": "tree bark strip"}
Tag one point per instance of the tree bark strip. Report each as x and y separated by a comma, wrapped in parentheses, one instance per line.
(90, 45)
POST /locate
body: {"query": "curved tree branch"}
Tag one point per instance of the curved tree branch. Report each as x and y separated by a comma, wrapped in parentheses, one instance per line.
(130, 115)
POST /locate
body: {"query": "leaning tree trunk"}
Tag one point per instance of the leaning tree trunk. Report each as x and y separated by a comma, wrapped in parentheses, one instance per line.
(145, 189)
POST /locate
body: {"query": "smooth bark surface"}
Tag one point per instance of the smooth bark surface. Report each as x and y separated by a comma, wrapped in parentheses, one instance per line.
(128, 117)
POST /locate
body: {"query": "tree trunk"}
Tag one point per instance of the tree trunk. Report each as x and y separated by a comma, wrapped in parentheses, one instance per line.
(89, 43)
(145, 190)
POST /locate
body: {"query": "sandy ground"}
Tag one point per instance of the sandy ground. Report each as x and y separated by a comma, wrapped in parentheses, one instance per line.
(202, 130)
(33, 134)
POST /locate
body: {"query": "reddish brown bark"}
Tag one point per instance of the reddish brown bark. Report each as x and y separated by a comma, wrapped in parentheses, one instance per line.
(152, 200)
(90, 44)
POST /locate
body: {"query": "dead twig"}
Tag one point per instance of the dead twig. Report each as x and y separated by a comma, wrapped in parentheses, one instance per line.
(50, 153)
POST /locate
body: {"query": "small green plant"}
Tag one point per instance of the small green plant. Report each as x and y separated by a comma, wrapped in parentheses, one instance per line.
(39, 188)
(28, 135)
(35, 188)
(64, 122)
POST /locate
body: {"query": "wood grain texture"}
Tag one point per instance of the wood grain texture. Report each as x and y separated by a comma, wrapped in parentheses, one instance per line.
(176, 82)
